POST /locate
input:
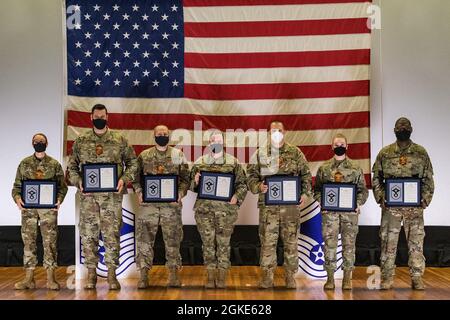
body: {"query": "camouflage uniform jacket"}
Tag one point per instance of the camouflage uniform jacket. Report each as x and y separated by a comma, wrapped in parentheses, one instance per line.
(111, 147)
(410, 162)
(291, 162)
(46, 168)
(345, 171)
(172, 161)
(225, 164)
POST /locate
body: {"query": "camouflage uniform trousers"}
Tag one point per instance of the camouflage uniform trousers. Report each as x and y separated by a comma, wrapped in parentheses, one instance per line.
(147, 222)
(415, 233)
(273, 222)
(346, 224)
(101, 213)
(215, 228)
(49, 231)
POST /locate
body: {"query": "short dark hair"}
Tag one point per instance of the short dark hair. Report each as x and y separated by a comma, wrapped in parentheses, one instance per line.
(403, 119)
(99, 107)
(39, 134)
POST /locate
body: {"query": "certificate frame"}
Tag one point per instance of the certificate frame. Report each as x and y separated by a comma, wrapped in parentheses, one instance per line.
(277, 182)
(35, 185)
(399, 201)
(155, 180)
(335, 189)
(96, 186)
(206, 176)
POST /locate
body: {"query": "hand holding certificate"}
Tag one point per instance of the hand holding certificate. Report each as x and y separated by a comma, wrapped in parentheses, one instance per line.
(39, 194)
(216, 186)
(282, 190)
(340, 197)
(160, 188)
(403, 192)
(99, 177)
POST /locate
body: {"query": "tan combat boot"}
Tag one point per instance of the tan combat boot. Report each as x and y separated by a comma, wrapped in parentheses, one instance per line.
(386, 282)
(267, 279)
(417, 283)
(91, 279)
(290, 279)
(143, 281)
(174, 278)
(347, 281)
(52, 284)
(329, 285)
(221, 278)
(210, 282)
(112, 280)
(27, 282)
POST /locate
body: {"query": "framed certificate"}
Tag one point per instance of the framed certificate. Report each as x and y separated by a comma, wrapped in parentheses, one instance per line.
(282, 190)
(160, 188)
(403, 192)
(99, 177)
(39, 194)
(216, 186)
(339, 197)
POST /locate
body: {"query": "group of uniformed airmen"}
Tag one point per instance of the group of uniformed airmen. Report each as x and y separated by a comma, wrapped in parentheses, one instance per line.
(101, 213)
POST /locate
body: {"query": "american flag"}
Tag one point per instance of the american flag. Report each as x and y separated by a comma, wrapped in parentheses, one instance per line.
(231, 64)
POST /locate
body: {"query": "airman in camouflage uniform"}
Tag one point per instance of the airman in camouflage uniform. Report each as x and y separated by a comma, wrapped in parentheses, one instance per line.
(340, 169)
(216, 219)
(403, 159)
(279, 158)
(42, 167)
(161, 159)
(101, 212)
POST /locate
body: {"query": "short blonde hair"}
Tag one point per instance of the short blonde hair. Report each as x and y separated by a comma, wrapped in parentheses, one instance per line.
(339, 136)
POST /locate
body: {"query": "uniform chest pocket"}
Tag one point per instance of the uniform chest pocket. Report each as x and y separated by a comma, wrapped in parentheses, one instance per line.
(49, 173)
(165, 166)
(87, 152)
(288, 165)
(111, 153)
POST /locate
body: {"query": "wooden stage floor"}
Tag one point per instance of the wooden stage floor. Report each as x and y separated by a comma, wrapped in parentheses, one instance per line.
(242, 285)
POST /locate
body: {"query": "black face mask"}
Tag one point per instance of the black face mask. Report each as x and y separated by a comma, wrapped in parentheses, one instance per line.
(403, 135)
(340, 151)
(162, 140)
(39, 147)
(99, 123)
(216, 147)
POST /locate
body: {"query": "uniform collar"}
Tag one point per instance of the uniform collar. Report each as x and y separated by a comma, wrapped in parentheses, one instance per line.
(338, 162)
(104, 136)
(162, 152)
(209, 159)
(281, 149)
(40, 160)
(400, 150)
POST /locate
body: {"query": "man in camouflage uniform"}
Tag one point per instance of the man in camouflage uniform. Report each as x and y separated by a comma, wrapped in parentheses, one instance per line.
(402, 159)
(281, 158)
(161, 159)
(216, 219)
(42, 167)
(101, 212)
(340, 169)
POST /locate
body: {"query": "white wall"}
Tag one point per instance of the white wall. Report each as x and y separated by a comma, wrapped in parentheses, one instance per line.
(31, 60)
(410, 77)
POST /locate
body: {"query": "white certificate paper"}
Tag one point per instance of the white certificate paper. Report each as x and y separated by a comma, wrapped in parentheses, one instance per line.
(289, 191)
(346, 198)
(410, 192)
(107, 178)
(223, 187)
(46, 194)
(167, 188)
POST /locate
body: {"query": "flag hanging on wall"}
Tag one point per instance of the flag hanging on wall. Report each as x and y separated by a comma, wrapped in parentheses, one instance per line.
(226, 64)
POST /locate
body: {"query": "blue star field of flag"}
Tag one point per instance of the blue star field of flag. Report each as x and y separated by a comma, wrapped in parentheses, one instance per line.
(125, 48)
